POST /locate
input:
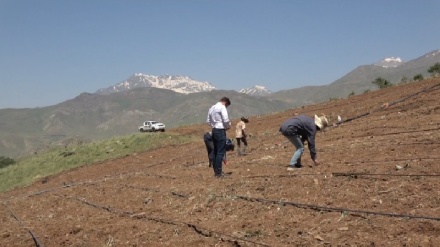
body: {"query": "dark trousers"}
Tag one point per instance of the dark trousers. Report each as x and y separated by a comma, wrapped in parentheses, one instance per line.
(210, 150)
(219, 140)
(242, 139)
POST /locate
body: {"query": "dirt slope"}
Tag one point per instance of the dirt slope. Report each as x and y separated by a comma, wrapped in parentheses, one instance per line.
(169, 197)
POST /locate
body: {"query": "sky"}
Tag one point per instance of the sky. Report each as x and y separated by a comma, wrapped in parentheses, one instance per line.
(54, 50)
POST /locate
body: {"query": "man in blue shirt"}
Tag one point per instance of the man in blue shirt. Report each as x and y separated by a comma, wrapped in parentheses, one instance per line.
(219, 120)
(297, 130)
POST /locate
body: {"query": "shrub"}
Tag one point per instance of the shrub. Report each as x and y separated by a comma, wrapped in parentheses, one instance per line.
(6, 161)
(351, 94)
(404, 80)
(434, 70)
(381, 83)
(418, 77)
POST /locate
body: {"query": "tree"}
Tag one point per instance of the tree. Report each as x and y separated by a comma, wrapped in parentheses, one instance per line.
(418, 77)
(6, 161)
(434, 70)
(381, 83)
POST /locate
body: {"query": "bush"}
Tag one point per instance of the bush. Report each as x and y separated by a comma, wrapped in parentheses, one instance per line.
(404, 80)
(418, 77)
(381, 83)
(352, 94)
(6, 161)
(434, 70)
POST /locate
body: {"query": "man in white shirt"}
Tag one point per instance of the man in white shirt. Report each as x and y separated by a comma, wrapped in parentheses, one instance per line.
(219, 120)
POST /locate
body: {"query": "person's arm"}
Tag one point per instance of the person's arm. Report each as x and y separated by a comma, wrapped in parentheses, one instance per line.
(208, 118)
(311, 144)
(225, 118)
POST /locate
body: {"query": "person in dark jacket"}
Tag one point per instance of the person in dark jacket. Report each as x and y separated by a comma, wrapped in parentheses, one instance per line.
(207, 138)
(299, 129)
(209, 144)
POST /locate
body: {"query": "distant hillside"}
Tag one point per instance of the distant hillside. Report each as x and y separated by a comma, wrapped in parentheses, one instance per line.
(94, 116)
(359, 80)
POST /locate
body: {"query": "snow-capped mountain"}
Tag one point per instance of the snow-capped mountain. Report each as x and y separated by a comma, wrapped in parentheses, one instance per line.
(390, 62)
(256, 91)
(180, 84)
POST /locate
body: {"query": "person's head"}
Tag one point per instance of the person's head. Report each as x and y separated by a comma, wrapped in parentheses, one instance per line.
(244, 119)
(225, 101)
(321, 122)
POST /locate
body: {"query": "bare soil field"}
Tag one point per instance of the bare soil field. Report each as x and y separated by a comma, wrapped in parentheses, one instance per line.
(378, 185)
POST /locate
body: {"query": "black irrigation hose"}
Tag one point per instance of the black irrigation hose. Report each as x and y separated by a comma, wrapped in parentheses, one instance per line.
(402, 132)
(393, 160)
(197, 229)
(390, 104)
(355, 174)
(342, 174)
(336, 209)
(34, 237)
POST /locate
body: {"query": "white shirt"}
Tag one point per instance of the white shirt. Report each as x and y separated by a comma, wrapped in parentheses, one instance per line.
(218, 117)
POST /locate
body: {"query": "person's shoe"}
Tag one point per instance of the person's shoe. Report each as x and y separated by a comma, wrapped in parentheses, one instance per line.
(293, 168)
(223, 176)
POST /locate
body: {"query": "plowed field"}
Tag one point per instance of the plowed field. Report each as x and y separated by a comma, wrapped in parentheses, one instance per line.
(378, 185)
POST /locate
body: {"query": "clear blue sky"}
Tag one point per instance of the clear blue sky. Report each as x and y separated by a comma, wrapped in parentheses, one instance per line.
(53, 50)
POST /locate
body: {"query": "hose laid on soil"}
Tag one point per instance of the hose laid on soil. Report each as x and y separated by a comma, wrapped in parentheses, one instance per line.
(354, 212)
(198, 229)
(392, 103)
(355, 174)
(34, 237)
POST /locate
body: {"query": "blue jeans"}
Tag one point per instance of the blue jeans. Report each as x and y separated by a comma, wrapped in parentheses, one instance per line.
(219, 140)
(299, 145)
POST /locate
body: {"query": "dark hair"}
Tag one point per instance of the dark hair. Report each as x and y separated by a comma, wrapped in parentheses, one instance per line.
(244, 119)
(226, 100)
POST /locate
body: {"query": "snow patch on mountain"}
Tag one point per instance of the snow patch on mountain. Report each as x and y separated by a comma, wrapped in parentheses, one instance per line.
(433, 53)
(256, 90)
(390, 62)
(179, 84)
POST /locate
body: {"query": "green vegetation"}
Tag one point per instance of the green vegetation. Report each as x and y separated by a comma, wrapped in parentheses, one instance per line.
(434, 70)
(6, 161)
(351, 94)
(404, 80)
(367, 90)
(59, 159)
(381, 83)
(418, 77)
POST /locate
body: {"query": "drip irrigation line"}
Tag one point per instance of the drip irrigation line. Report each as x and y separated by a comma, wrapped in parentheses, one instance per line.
(285, 175)
(394, 160)
(391, 104)
(336, 209)
(355, 174)
(198, 229)
(341, 174)
(401, 132)
(34, 237)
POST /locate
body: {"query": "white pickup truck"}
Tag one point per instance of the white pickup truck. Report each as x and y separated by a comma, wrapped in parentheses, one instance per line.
(152, 126)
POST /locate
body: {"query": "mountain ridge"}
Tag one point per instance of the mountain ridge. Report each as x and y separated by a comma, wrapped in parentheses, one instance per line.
(177, 83)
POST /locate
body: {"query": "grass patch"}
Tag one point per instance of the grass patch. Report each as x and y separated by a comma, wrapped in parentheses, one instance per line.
(59, 159)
